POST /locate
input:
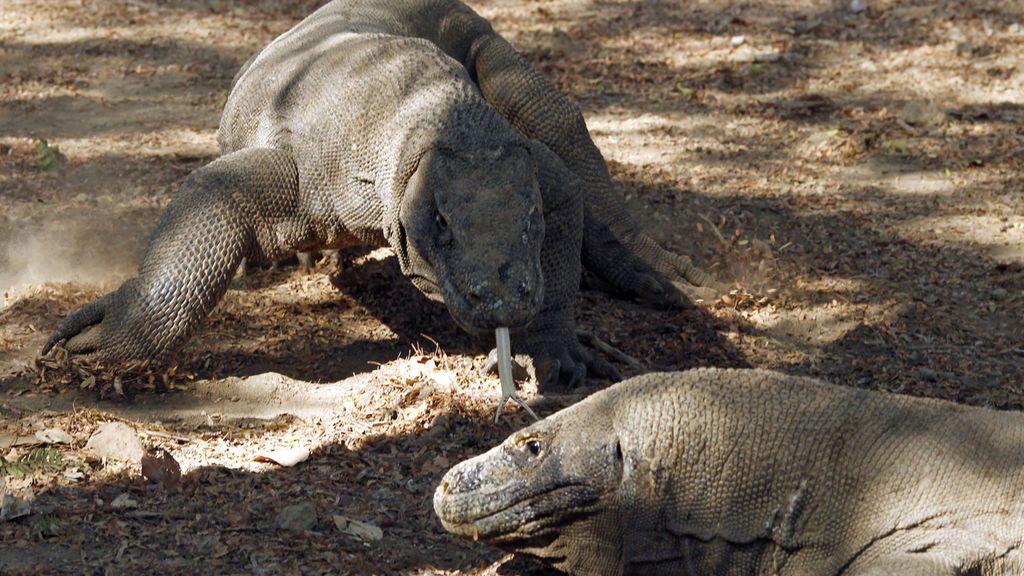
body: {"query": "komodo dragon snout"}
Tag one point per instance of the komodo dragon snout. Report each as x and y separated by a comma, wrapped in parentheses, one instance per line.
(473, 230)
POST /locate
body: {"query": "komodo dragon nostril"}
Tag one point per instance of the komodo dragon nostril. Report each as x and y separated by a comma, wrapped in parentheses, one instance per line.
(505, 272)
(475, 298)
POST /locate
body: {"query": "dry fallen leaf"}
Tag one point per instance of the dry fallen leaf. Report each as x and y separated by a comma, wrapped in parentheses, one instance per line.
(287, 457)
(160, 467)
(8, 441)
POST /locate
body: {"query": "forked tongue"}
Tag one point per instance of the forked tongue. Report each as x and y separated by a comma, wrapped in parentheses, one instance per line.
(508, 386)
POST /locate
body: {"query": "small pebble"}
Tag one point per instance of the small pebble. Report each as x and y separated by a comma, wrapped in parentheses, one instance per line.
(297, 517)
(116, 441)
(922, 113)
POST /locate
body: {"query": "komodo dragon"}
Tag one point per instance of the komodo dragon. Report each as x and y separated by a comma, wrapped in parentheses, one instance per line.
(410, 124)
(750, 472)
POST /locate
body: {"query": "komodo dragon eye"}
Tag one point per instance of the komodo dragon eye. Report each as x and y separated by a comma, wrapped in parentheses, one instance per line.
(442, 224)
(533, 447)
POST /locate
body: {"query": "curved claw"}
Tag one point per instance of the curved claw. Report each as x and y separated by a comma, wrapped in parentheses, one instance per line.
(548, 373)
(706, 293)
(663, 278)
(657, 292)
(76, 326)
(519, 371)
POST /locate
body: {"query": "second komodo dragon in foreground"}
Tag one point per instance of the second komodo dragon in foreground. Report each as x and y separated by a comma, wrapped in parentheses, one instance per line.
(410, 124)
(749, 472)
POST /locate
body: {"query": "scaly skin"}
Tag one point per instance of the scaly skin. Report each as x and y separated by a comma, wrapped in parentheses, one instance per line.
(402, 123)
(749, 472)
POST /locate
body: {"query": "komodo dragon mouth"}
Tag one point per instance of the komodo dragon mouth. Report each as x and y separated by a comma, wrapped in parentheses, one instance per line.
(503, 517)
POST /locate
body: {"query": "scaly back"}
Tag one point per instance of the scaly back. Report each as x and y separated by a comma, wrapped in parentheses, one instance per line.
(808, 475)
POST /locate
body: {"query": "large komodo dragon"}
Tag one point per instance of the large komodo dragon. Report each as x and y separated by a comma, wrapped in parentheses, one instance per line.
(410, 124)
(750, 472)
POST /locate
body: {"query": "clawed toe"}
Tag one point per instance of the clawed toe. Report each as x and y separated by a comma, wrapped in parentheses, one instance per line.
(519, 372)
(85, 342)
(705, 293)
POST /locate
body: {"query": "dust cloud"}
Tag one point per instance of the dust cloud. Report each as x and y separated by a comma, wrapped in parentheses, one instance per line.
(84, 247)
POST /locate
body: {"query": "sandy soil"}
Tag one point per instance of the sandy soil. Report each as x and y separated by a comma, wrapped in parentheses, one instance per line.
(857, 179)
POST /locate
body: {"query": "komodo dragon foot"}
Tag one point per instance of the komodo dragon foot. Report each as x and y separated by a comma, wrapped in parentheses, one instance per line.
(638, 267)
(115, 326)
(551, 361)
(679, 271)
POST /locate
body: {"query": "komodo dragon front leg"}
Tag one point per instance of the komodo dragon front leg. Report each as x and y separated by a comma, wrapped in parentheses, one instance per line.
(614, 245)
(550, 340)
(242, 205)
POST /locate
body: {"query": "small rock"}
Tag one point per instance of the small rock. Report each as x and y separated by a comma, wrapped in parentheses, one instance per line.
(922, 114)
(361, 530)
(53, 436)
(761, 248)
(124, 501)
(297, 517)
(999, 293)
(11, 506)
(972, 50)
(737, 40)
(438, 428)
(858, 6)
(116, 441)
(561, 43)
(767, 57)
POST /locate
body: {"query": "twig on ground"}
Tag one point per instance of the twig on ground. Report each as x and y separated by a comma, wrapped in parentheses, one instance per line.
(609, 350)
(718, 234)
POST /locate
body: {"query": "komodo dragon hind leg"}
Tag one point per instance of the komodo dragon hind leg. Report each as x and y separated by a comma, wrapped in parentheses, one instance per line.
(614, 245)
(237, 206)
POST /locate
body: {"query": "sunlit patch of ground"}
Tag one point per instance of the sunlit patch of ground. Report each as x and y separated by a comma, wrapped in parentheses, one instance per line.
(857, 181)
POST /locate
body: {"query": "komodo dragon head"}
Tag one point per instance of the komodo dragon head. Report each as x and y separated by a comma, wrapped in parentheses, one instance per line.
(549, 490)
(470, 229)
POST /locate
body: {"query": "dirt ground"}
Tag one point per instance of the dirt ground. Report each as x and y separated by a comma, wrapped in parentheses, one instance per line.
(857, 179)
